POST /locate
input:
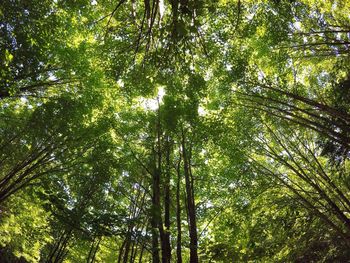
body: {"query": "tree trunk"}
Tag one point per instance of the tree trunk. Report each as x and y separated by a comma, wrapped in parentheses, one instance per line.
(155, 217)
(178, 215)
(127, 245)
(190, 204)
(166, 240)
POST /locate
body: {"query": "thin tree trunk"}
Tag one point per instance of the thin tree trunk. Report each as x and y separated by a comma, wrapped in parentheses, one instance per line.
(166, 241)
(121, 249)
(132, 254)
(127, 246)
(190, 205)
(178, 215)
(141, 253)
(155, 211)
(91, 250)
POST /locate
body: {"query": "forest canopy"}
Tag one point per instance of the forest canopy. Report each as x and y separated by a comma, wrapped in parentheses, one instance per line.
(174, 131)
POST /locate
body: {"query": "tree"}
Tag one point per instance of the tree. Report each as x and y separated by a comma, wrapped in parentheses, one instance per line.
(175, 130)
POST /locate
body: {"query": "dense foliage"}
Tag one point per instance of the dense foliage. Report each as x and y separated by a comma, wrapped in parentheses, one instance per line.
(174, 131)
